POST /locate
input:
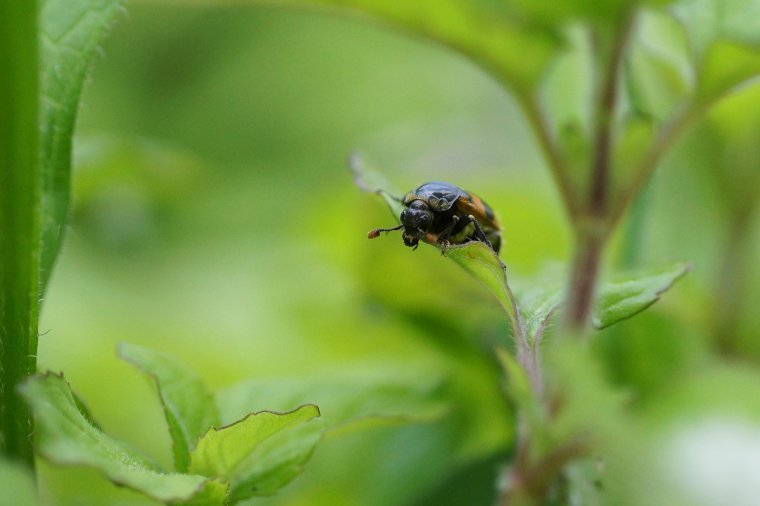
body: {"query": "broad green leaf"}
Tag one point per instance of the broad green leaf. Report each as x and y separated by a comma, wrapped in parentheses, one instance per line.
(618, 299)
(481, 261)
(375, 395)
(628, 295)
(17, 485)
(70, 33)
(276, 461)
(188, 406)
(64, 436)
(19, 220)
(236, 453)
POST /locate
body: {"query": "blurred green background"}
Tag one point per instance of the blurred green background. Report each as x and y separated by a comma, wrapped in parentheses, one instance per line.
(215, 219)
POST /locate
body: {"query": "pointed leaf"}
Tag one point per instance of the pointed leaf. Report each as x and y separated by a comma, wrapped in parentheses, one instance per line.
(628, 295)
(276, 461)
(70, 32)
(188, 406)
(483, 263)
(622, 297)
(64, 436)
(259, 453)
(366, 395)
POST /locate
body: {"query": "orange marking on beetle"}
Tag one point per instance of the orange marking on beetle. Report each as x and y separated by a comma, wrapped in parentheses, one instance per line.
(373, 233)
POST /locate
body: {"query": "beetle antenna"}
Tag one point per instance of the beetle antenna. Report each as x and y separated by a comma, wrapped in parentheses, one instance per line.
(376, 231)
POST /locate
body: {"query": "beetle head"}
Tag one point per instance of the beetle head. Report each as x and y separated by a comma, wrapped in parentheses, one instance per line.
(417, 219)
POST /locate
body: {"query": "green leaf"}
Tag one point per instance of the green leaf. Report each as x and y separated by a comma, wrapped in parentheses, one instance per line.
(259, 453)
(483, 263)
(540, 300)
(379, 394)
(64, 436)
(724, 36)
(628, 295)
(276, 461)
(658, 74)
(70, 33)
(622, 297)
(17, 485)
(188, 406)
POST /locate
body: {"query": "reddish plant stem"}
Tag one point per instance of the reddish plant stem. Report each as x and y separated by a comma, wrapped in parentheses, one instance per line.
(583, 278)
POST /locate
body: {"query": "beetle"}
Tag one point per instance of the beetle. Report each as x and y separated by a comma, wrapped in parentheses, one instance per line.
(444, 214)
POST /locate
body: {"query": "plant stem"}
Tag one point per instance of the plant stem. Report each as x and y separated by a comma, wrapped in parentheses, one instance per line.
(19, 221)
(556, 163)
(592, 228)
(605, 118)
(732, 284)
(583, 278)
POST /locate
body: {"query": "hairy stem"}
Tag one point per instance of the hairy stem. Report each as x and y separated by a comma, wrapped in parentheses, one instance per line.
(529, 483)
(19, 221)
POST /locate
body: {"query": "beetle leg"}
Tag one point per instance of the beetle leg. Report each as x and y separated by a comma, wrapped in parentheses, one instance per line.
(444, 235)
(479, 234)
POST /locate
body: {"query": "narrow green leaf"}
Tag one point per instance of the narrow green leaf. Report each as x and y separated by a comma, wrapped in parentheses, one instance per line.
(70, 33)
(188, 406)
(17, 485)
(64, 436)
(19, 220)
(260, 453)
(628, 295)
(379, 394)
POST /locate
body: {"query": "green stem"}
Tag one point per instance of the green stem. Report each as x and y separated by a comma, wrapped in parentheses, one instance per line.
(557, 166)
(19, 221)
